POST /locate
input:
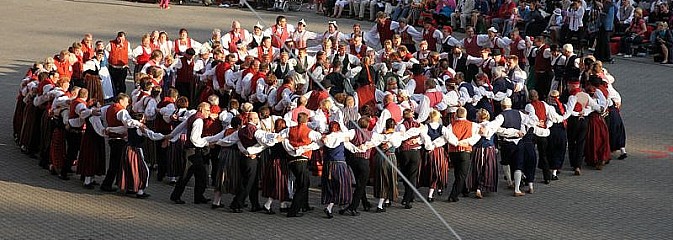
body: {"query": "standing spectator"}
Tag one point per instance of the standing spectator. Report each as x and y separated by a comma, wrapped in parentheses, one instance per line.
(624, 15)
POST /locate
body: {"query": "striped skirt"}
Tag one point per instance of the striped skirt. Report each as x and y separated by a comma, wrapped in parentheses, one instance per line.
(597, 148)
(30, 129)
(615, 129)
(274, 177)
(46, 129)
(94, 85)
(337, 183)
(17, 121)
(133, 172)
(385, 177)
(484, 172)
(229, 172)
(176, 157)
(434, 171)
(91, 159)
(57, 148)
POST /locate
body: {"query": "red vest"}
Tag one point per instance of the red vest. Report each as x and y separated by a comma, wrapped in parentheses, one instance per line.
(190, 126)
(384, 31)
(395, 112)
(87, 52)
(186, 73)
(111, 118)
(73, 107)
(234, 39)
(220, 72)
(176, 46)
(407, 144)
(435, 98)
(64, 68)
(279, 92)
(262, 57)
(406, 37)
(144, 57)
(432, 41)
(278, 39)
(362, 53)
(42, 84)
(78, 67)
(471, 47)
(420, 83)
(119, 53)
(514, 50)
(160, 125)
(542, 63)
(463, 130)
(298, 136)
(316, 97)
(253, 81)
(540, 111)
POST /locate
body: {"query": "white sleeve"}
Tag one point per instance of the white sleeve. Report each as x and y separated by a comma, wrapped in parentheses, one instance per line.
(423, 109)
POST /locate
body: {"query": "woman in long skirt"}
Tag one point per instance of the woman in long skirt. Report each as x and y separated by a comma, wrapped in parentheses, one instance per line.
(94, 85)
(133, 173)
(176, 157)
(385, 176)
(597, 148)
(57, 147)
(275, 173)
(91, 159)
(484, 173)
(558, 137)
(435, 166)
(17, 120)
(228, 172)
(337, 177)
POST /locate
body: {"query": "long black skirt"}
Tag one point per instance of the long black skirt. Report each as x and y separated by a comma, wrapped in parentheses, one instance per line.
(91, 159)
(176, 157)
(615, 129)
(228, 173)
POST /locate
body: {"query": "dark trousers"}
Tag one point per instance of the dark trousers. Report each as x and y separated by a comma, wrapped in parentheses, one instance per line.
(118, 77)
(73, 140)
(116, 152)
(195, 157)
(360, 167)
(461, 166)
(543, 83)
(214, 163)
(162, 160)
(628, 41)
(249, 185)
(409, 162)
(184, 89)
(577, 136)
(543, 159)
(302, 182)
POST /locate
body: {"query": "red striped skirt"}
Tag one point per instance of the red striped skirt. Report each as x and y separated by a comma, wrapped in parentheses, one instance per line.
(57, 148)
(274, 176)
(133, 173)
(228, 174)
(91, 159)
(484, 172)
(434, 172)
(597, 148)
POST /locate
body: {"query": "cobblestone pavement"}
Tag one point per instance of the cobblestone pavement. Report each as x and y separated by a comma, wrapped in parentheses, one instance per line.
(629, 199)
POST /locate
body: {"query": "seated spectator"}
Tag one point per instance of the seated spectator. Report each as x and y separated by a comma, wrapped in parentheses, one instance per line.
(662, 40)
(660, 14)
(401, 10)
(633, 34)
(503, 13)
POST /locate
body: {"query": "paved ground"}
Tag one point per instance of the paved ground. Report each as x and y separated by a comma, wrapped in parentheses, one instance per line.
(629, 199)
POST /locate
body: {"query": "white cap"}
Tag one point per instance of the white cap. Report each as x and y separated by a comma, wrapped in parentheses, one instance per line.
(492, 29)
(259, 25)
(302, 21)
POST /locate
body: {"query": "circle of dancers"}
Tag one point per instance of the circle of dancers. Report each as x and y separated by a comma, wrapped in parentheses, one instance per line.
(267, 109)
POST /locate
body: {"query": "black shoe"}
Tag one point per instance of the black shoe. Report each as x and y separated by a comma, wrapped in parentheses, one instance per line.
(142, 196)
(388, 204)
(178, 201)
(453, 199)
(290, 215)
(366, 206)
(554, 178)
(64, 177)
(172, 183)
(108, 189)
(342, 211)
(216, 206)
(407, 206)
(268, 211)
(255, 209)
(307, 209)
(329, 214)
(284, 210)
(53, 172)
(89, 186)
(236, 210)
(439, 192)
(200, 201)
(94, 183)
(351, 212)
(622, 156)
(380, 210)
(431, 199)
(547, 182)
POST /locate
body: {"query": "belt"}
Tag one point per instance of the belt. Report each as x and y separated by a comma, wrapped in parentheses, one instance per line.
(298, 160)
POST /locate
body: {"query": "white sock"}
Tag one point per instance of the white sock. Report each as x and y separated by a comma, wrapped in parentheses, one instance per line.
(432, 190)
(217, 197)
(387, 201)
(87, 180)
(508, 174)
(140, 192)
(553, 172)
(329, 207)
(268, 202)
(517, 180)
(284, 204)
(623, 150)
(530, 185)
(381, 200)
